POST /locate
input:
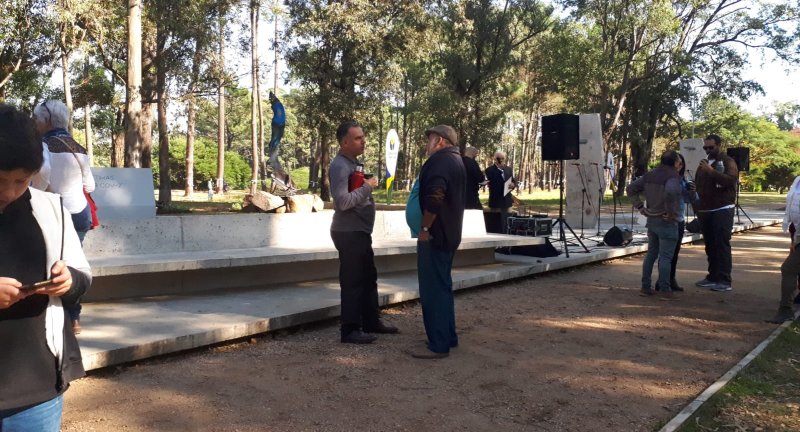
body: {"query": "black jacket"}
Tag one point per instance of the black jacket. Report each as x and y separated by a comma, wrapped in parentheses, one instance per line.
(497, 180)
(441, 191)
(474, 178)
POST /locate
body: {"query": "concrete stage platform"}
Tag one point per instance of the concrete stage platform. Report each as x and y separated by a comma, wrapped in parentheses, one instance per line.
(122, 331)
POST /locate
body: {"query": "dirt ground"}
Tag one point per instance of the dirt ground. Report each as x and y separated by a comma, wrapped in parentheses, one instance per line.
(571, 351)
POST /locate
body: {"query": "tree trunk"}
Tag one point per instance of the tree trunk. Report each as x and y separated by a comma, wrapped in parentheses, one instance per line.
(313, 165)
(118, 139)
(221, 111)
(87, 132)
(67, 87)
(164, 183)
(324, 163)
(133, 114)
(191, 118)
(378, 171)
(254, 7)
(275, 53)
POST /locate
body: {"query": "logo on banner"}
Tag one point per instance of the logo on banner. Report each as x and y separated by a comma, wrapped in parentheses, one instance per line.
(392, 150)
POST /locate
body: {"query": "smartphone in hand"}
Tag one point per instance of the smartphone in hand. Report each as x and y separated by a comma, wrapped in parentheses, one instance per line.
(35, 286)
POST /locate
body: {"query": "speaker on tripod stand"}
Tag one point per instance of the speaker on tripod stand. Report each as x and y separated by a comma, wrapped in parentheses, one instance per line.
(740, 155)
(560, 142)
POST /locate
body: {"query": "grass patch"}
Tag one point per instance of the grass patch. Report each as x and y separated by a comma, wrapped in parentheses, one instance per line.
(764, 396)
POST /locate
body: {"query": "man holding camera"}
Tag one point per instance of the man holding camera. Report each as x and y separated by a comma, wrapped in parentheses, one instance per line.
(716, 181)
(500, 201)
(351, 231)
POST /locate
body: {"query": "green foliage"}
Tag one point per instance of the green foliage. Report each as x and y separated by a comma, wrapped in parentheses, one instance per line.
(774, 153)
(237, 170)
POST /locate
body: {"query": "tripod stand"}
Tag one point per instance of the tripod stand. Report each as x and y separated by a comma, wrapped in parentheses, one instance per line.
(561, 222)
(739, 207)
(584, 195)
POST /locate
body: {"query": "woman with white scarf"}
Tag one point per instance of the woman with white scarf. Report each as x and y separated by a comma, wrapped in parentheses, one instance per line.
(42, 270)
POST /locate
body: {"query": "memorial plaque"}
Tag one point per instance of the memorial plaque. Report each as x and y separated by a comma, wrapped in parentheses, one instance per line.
(124, 193)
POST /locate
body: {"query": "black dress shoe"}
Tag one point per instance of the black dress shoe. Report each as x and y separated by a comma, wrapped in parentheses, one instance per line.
(675, 287)
(382, 328)
(358, 337)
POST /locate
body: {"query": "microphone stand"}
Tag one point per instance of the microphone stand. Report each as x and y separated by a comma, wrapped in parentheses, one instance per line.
(585, 195)
(600, 197)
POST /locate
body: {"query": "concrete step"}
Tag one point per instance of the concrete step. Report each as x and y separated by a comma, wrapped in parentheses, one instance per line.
(123, 331)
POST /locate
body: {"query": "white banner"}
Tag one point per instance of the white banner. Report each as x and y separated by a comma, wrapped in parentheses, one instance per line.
(392, 150)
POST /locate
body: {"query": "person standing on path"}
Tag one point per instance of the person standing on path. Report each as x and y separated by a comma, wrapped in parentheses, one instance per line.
(499, 201)
(441, 199)
(716, 181)
(38, 245)
(351, 231)
(662, 190)
(475, 178)
(69, 174)
(790, 269)
(688, 195)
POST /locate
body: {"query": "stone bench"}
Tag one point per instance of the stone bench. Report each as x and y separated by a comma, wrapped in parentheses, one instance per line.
(173, 255)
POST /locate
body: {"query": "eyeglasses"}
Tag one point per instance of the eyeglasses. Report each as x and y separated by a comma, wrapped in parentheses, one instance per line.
(709, 147)
(49, 114)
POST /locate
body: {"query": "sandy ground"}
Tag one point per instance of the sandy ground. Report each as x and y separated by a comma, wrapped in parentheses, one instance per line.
(577, 350)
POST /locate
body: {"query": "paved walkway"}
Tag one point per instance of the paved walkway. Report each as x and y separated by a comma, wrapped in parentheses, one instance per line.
(124, 331)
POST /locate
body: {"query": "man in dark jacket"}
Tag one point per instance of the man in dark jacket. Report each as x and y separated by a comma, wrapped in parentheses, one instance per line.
(475, 178)
(441, 198)
(498, 174)
(662, 190)
(716, 181)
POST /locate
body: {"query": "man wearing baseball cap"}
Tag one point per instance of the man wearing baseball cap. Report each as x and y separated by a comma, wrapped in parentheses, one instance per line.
(441, 198)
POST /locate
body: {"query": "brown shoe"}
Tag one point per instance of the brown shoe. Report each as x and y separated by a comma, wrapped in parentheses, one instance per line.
(669, 295)
(76, 327)
(426, 354)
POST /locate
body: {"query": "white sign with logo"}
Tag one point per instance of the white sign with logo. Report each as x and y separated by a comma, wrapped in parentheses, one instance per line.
(392, 150)
(124, 193)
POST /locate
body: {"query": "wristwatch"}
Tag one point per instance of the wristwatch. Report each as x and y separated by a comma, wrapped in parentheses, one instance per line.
(426, 229)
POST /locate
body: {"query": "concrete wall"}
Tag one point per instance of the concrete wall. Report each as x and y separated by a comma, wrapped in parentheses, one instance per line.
(192, 233)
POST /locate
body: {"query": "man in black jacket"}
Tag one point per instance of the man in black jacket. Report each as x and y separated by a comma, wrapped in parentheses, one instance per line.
(475, 178)
(441, 198)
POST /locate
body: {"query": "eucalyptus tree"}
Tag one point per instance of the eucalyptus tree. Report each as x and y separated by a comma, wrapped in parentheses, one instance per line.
(27, 40)
(480, 39)
(342, 53)
(629, 57)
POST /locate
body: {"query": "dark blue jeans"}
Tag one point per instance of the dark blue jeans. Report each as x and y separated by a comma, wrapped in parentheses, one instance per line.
(44, 417)
(436, 296)
(661, 239)
(82, 221)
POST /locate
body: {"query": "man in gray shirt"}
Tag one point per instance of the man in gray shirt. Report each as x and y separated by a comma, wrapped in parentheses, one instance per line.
(662, 190)
(351, 231)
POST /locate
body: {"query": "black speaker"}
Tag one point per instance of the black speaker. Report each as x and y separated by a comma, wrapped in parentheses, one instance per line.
(742, 157)
(560, 137)
(545, 250)
(618, 237)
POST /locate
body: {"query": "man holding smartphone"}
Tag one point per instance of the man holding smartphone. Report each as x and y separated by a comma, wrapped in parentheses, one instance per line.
(716, 180)
(351, 231)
